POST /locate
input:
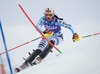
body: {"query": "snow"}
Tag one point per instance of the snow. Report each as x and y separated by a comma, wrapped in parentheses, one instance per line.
(82, 57)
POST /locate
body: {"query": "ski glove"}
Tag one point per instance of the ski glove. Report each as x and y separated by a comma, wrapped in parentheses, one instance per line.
(48, 34)
(75, 37)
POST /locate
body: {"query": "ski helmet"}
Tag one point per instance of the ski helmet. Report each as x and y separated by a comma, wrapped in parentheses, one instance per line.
(49, 12)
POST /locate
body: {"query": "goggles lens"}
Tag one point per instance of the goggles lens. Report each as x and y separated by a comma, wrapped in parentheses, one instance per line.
(48, 15)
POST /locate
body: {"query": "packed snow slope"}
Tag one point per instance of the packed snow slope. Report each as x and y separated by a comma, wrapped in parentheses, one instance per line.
(82, 57)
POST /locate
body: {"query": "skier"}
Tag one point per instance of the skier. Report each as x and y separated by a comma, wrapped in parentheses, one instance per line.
(51, 24)
(52, 31)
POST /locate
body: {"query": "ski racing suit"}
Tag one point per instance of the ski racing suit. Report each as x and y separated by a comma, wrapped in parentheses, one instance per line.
(54, 26)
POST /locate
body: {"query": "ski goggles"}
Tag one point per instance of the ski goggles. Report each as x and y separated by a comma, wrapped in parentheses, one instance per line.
(48, 15)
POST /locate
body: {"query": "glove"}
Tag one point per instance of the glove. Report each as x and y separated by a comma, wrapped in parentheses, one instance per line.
(75, 37)
(48, 34)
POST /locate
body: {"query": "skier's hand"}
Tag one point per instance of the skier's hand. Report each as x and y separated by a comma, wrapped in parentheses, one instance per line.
(75, 37)
(48, 34)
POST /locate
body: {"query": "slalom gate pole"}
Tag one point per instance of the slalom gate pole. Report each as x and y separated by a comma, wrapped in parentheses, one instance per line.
(90, 35)
(38, 29)
(5, 45)
(21, 45)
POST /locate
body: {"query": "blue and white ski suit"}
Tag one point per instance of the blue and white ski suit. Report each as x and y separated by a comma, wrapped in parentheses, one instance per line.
(54, 26)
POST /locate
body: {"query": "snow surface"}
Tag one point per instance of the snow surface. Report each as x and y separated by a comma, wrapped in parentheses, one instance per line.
(82, 57)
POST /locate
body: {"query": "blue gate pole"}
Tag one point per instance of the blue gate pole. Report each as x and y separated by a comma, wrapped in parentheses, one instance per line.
(6, 50)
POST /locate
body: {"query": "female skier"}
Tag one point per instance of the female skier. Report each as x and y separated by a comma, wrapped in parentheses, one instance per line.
(52, 31)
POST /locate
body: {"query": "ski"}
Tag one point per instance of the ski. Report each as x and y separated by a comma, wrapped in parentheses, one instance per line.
(23, 67)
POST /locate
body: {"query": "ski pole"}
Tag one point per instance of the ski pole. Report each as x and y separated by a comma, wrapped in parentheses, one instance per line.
(90, 35)
(38, 29)
(21, 45)
(87, 36)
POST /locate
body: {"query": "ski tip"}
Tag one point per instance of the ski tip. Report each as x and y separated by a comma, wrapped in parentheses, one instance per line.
(17, 70)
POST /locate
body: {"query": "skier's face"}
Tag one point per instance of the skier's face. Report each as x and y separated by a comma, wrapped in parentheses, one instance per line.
(49, 17)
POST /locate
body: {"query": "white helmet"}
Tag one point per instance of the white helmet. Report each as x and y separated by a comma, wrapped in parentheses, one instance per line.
(49, 11)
